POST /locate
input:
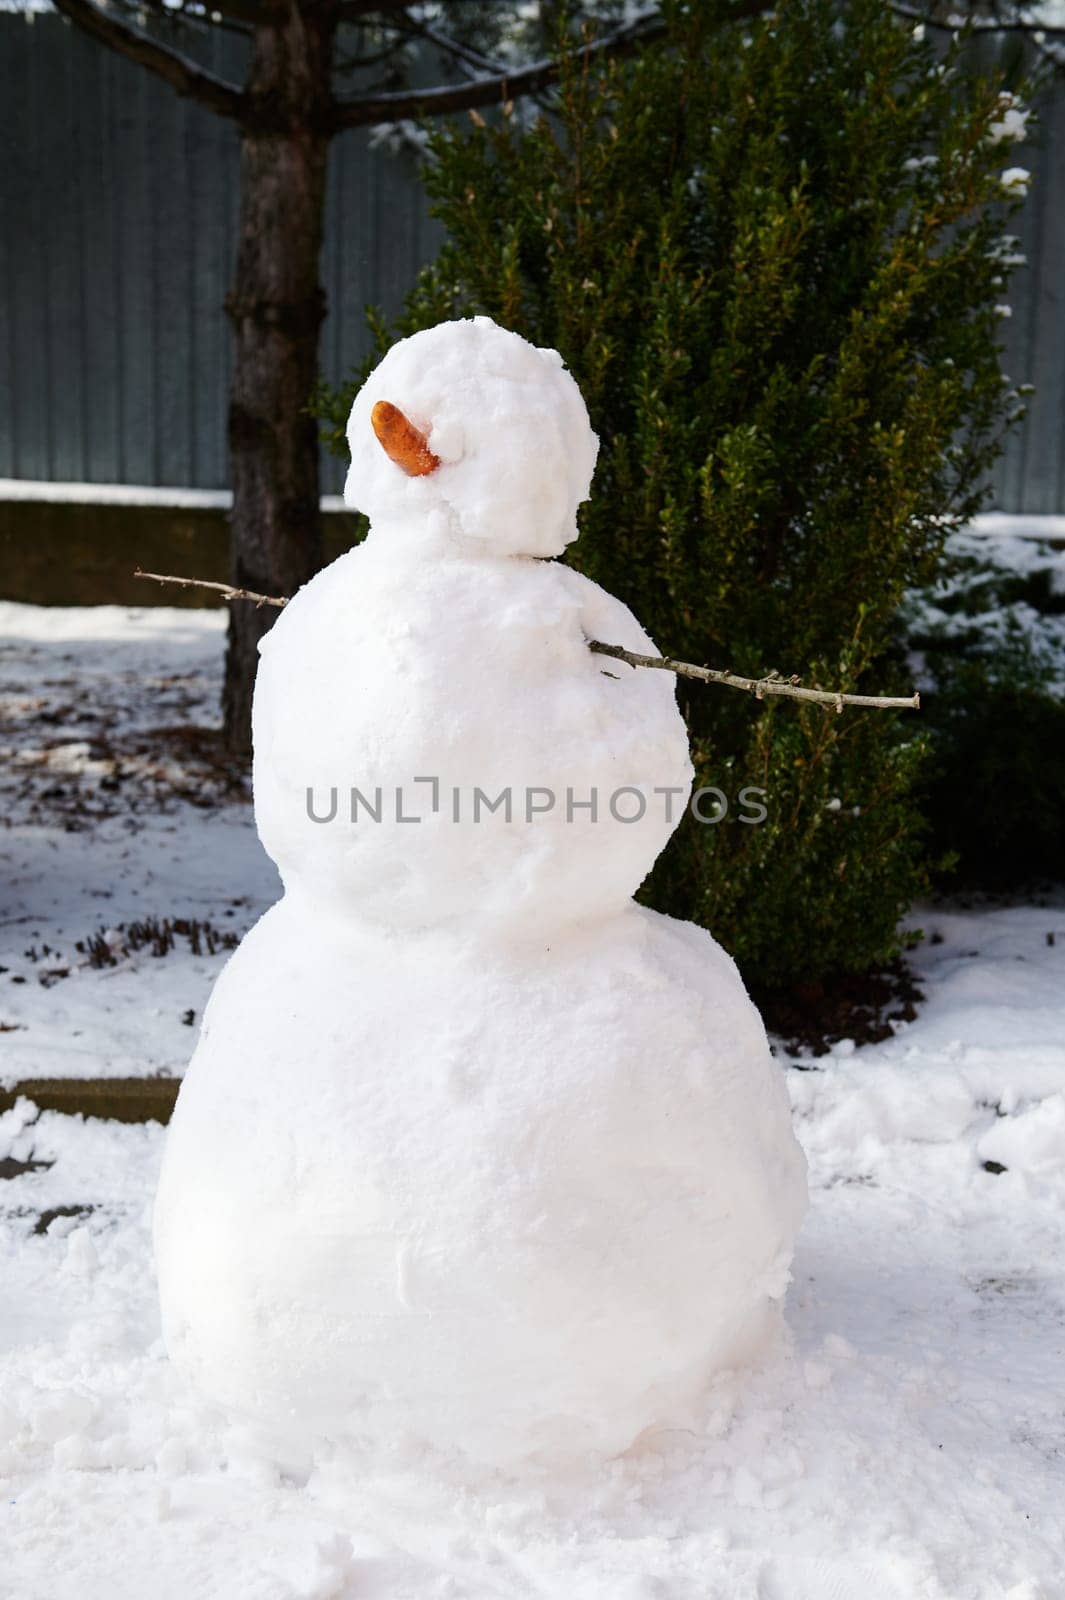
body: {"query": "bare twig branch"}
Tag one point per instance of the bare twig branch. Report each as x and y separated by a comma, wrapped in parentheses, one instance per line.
(1044, 38)
(178, 15)
(759, 687)
(182, 75)
(496, 88)
(472, 61)
(224, 589)
(249, 12)
(344, 64)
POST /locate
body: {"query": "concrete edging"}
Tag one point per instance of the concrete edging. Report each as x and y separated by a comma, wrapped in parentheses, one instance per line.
(114, 1099)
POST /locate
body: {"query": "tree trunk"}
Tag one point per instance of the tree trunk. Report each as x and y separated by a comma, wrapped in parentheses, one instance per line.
(276, 309)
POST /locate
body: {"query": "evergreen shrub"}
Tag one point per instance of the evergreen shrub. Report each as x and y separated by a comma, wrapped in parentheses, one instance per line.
(771, 252)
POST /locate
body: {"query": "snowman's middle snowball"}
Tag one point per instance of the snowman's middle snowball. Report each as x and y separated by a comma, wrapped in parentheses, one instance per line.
(414, 680)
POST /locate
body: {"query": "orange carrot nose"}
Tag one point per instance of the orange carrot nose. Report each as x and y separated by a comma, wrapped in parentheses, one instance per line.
(401, 441)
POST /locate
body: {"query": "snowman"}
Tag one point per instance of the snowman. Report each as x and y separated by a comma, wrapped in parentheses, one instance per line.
(476, 1158)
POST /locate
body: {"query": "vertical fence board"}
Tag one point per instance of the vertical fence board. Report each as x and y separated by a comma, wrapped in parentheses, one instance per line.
(135, 268)
(101, 324)
(28, 450)
(1034, 337)
(1044, 485)
(8, 367)
(175, 231)
(59, 221)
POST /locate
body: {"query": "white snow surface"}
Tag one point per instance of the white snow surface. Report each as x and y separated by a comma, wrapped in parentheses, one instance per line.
(175, 497)
(114, 494)
(433, 685)
(111, 817)
(995, 545)
(501, 1204)
(1012, 123)
(516, 1174)
(907, 1443)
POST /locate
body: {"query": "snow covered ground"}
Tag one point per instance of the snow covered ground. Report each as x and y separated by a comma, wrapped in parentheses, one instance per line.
(129, 494)
(115, 811)
(908, 1445)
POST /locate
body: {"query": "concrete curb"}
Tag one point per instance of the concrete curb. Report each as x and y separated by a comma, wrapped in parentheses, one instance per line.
(117, 1099)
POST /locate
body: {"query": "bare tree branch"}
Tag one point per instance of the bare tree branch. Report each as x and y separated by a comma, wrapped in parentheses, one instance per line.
(182, 14)
(1035, 33)
(374, 59)
(182, 75)
(246, 11)
(474, 63)
(224, 589)
(498, 87)
(759, 687)
(174, 13)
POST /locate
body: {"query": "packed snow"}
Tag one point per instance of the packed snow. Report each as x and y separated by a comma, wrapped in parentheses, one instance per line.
(511, 431)
(475, 1157)
(908, 1443)
(407, 801)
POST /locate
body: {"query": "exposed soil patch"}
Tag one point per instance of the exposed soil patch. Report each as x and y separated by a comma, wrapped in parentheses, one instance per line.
(813, 1017)
(107, 946)
(78, 749)
(11, 1168)
(46, 1218)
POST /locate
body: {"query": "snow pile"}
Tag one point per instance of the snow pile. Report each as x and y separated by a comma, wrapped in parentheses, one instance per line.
(908, 1443)
(475, 1157)
(531, 1211)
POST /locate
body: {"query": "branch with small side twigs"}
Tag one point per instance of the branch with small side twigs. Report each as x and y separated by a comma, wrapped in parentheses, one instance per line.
(182, 74)
(759, 687)
(226, 590)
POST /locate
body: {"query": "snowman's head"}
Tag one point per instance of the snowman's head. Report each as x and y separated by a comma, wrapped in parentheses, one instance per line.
(468, 431)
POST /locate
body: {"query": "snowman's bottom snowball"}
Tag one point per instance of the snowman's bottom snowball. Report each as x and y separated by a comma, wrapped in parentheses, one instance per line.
(512, 1204)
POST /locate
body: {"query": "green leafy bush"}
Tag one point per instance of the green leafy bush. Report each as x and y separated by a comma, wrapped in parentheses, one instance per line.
(770, 251)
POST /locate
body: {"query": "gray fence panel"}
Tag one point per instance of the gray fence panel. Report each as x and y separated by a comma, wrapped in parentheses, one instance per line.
(27, 378)
(118, 206)
(1036, 352)
(99, 295)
